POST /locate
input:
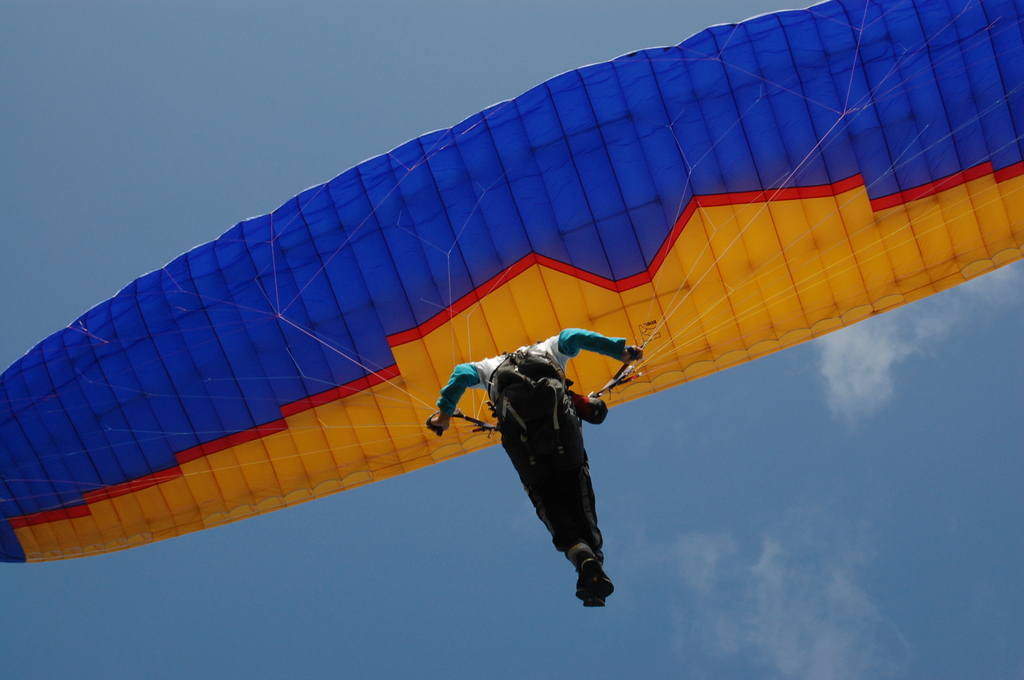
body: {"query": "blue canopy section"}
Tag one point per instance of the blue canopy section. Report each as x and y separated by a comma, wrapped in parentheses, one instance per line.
(10, 548)
(591, 168)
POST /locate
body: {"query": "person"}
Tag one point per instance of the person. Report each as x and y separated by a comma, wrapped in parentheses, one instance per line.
(539, 420)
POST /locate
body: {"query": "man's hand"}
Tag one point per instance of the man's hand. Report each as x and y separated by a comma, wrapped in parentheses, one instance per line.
(631, 354)
(439, 422)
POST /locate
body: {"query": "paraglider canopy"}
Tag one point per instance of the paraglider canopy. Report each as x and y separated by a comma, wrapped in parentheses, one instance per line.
(754, 187)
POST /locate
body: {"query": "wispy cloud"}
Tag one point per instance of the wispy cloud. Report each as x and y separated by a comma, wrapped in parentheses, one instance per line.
(792, 606)
(857, 363)
(701, 558)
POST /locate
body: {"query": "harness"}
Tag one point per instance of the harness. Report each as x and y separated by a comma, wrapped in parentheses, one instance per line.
(527, 373)
(532, 404)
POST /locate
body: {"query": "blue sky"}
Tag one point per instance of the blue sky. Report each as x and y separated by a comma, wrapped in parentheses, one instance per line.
(849, 508)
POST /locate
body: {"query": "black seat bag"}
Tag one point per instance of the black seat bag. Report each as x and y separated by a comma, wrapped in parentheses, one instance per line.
(535, 412)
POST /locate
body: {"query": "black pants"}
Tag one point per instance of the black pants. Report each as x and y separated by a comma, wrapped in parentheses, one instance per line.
(559, 487)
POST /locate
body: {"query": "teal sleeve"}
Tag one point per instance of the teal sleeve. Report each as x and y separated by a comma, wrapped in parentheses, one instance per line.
(572, 340)
(463, 377)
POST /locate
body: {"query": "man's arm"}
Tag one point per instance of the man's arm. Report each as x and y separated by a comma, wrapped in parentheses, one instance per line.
(572, 340)
(463, 377)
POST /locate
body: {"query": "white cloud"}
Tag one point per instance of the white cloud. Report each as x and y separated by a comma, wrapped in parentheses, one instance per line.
(793, 607)
(700, 556)
(857, 363)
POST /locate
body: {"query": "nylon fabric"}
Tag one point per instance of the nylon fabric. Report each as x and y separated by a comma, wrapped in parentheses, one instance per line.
(840, 160)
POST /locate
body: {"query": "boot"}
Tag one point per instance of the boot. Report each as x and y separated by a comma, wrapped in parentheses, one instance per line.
(593, 585)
